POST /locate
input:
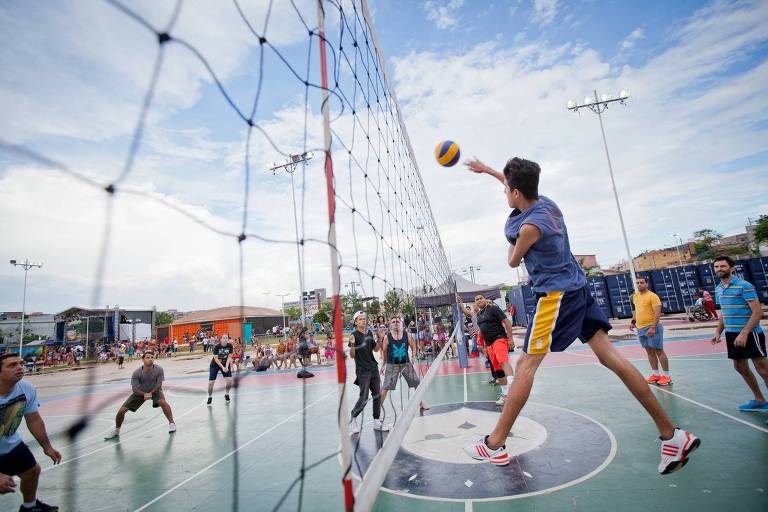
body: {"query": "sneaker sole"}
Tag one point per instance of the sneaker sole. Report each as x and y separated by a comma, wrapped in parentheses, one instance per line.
(665, 384)
(682, 462)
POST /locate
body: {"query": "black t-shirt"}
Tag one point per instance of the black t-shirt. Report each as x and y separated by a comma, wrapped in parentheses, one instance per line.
(222, 352)
(490, 322)
(364, 344)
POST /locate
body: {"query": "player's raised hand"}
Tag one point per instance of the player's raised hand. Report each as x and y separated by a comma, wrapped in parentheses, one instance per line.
(477, 166)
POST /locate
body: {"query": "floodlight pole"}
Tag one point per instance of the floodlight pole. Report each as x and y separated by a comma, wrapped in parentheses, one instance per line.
(289, 165)
(598, 107)
(282, 308)
(26, 265)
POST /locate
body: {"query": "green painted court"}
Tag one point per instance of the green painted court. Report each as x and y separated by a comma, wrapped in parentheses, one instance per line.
(259, 437)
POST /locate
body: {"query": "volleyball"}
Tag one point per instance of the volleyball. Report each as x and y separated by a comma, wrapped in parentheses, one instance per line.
(447, 153)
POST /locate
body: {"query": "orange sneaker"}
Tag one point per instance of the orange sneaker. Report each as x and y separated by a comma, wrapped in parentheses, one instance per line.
(664, 380)
(653, 379)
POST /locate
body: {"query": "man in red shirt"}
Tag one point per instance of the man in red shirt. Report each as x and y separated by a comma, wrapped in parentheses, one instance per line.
(709, 303)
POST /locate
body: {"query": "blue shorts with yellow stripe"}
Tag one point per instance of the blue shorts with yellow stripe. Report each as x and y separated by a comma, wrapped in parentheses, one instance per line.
(560, 318)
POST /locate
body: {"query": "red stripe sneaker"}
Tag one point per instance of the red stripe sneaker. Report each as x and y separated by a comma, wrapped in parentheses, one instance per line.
(675, 451)
(478, 450)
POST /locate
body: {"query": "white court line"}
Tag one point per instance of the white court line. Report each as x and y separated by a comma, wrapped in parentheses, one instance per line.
(465, 386)
(734, 418)
(468, 505)
(209, 466)
(110, 445)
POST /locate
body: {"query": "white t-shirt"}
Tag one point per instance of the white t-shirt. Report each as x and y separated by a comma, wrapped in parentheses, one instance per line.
(22, 400)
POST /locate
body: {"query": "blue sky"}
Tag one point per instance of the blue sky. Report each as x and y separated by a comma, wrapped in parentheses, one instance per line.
(688, 149)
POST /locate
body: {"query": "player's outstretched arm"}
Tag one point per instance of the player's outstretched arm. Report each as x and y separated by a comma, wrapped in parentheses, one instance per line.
(527, 237)
(36, 427)
(480, 168)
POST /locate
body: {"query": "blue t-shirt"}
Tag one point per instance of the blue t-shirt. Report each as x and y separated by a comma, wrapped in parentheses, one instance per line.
(22, 400)
(549, 261)
(734, 306)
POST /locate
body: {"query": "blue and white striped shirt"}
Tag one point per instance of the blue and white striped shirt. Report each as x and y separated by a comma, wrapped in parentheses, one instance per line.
(734, 306)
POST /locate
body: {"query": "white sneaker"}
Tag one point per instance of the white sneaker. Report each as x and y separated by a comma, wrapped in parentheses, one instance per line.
(115, 432)
(675, 451)
(171, 428)
(478, 450)
(354, 426)
(501, 400)
(379, 425)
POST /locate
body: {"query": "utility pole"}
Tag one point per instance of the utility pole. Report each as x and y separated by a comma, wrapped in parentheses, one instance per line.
(598, 106)
(26, 265)
(282, 307)
(289, 165)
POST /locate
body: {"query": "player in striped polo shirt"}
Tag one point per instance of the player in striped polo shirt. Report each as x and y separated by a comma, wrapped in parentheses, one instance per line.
(741, 314)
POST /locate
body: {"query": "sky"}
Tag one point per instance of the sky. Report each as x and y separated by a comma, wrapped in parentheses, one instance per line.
(689, 149)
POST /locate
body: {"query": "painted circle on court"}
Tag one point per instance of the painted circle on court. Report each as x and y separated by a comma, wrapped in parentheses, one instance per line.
(550, 447)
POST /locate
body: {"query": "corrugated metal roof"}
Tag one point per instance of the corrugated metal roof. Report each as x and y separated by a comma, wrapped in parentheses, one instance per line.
(225, 313)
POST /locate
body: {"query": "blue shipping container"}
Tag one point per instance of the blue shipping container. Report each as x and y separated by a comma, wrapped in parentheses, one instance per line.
(707, 277)
(688, 284)
(758, 267)
(666, 286)
(742, 270)
(620, 291)
(599, 291)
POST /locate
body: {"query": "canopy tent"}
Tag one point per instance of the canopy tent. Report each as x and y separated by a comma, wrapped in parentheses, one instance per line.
(466, 290)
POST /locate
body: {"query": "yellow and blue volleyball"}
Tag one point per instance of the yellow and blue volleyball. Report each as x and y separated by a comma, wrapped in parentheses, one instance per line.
(447, 153)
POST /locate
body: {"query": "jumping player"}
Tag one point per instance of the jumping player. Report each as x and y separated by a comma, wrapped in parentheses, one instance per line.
(19, 398)
(147, 384)
(565, 310)
(396, 361)
(221, 362)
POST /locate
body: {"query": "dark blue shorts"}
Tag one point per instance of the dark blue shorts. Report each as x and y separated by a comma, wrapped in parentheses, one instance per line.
(17, 461)
(214, 370)
(560, 318)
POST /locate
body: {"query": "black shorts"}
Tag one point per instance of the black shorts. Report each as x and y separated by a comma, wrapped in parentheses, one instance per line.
(17, 461)
(214, 370)
(754, 348)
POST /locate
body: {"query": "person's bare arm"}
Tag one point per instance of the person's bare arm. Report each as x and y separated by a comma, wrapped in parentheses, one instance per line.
(528, 235)
(36, 427)
(754, 320)
(480, 168)
(508, 327)
(656, 319)
(718, 331)
(352, 346)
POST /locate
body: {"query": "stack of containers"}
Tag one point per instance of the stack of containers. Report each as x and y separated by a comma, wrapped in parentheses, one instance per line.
(707, 277)
(666, 285)
(599, 290)
(688, 284)
(620, 293)
(758, 267)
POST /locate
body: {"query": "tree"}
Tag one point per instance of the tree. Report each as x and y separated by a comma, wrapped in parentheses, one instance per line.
(392, 303)
(703, 240)
(761, 231)
(350, 303)
(321, 317)
(373, 308)
(293, 313)
(408, 306)
(163, 318)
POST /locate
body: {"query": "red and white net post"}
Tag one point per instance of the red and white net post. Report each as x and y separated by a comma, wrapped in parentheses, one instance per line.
(341, 367)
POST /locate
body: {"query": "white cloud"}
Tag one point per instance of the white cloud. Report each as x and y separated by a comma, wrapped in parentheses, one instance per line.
(636, 35)
(443, 14)
(544, 11)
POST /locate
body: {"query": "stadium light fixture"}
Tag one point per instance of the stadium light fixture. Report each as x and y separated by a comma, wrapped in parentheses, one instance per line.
(598, 105)
(26, 265)
(289, 165)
